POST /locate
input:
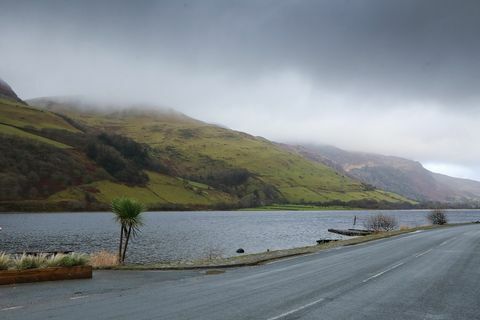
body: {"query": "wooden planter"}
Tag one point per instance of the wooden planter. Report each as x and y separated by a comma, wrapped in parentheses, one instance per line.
(46, 274)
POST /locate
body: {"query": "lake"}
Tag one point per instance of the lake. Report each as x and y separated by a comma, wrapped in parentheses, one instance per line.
(173, 236)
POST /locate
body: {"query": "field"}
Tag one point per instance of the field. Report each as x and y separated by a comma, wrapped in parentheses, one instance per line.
(9, 130)
(161, 190)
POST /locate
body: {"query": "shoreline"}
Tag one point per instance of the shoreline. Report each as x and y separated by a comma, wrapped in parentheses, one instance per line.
(247, 210)
(264, 257)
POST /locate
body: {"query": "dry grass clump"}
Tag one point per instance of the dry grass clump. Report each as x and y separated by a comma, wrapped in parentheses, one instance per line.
(103, 259)
(26, 261)
(67, 260)
(404, 227)
(4, 261)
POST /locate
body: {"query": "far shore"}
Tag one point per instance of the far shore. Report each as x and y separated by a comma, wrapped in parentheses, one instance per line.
(299, 207)
(272, 207)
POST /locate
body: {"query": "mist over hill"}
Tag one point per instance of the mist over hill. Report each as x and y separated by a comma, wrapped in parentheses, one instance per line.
(97, 106)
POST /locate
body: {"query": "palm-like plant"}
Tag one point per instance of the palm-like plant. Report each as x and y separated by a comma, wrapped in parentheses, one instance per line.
(128, 215)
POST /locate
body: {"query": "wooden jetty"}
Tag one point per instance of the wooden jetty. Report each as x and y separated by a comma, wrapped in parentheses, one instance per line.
(351, 232)
(47, 253)
(323, 241)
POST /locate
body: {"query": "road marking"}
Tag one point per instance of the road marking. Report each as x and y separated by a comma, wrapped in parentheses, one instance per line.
(287, 259)
(384, 271)
(446, 241)
(422, 253)
(11, 308)
(77, 297)
(283, 315)
(412, 234)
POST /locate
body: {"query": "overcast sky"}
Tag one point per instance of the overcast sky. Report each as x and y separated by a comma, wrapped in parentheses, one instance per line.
(386, 76)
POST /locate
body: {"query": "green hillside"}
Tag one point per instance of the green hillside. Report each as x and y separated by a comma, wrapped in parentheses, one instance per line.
(17, 114)
(209, 166)
(62, 156)
(45, 165)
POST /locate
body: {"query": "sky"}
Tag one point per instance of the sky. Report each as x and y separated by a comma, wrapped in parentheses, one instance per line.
(386, 76)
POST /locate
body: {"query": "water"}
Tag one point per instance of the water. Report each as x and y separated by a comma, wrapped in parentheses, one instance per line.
(173, 236)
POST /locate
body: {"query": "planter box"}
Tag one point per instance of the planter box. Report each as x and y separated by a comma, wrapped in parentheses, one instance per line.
(46, 274)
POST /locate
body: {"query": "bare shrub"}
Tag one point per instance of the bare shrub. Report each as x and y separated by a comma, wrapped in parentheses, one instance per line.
(103, 259)
(67, 260)
(437, 216)
(381, 222)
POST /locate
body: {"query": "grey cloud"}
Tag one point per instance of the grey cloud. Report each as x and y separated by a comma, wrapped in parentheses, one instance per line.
(334, 71)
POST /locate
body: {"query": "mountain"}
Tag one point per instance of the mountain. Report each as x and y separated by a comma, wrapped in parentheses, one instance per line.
(245, 170)
(50, 162)
(66, 154)
(6, 92)
(402, 176)
(463, 189)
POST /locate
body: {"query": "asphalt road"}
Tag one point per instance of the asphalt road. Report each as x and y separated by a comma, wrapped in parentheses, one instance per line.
(424, 275)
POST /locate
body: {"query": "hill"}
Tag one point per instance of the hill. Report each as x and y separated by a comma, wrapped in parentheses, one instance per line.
(49, 162)
(406, 177)
(67, 154)
(6, 92)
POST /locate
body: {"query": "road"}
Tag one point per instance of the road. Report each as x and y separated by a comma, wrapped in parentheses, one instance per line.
(425, 275)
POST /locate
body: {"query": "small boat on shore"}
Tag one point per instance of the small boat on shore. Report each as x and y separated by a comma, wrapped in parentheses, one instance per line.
(351, 232)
